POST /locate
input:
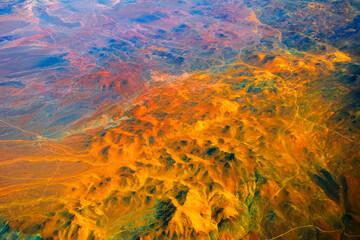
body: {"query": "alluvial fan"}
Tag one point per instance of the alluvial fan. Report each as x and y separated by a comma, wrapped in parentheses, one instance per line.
(203, 119)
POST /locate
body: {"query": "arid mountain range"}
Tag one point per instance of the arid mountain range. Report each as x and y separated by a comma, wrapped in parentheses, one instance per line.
(179, 119)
